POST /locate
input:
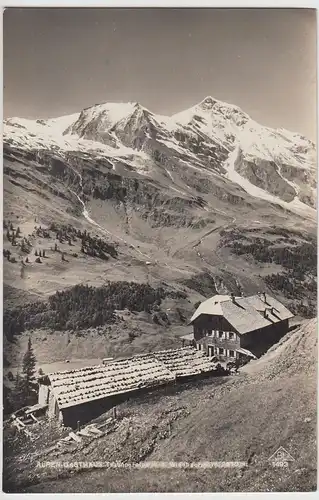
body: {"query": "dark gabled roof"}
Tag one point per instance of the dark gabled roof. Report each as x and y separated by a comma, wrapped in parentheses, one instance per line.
(245, 314)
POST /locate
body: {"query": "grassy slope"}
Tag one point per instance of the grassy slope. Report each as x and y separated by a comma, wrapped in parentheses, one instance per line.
(37, 191)
(270, 404)
(54, 347)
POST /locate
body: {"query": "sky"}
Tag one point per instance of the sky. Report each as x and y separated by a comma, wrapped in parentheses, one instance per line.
(59, 61)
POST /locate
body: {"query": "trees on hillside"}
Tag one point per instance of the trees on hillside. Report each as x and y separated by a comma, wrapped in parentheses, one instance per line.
(83, 307)
(24, 392)
(90, 245)
(301, 257)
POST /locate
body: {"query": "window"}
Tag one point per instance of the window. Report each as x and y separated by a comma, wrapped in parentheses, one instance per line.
(220, 334)
(231, 353)
(221, 350)
(210, 333)
(231, 335)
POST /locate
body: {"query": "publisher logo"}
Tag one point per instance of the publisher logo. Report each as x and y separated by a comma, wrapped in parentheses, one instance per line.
(281, 458)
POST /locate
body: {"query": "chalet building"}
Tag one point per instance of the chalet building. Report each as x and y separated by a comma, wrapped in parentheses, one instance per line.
(83, 394)
(229, 327)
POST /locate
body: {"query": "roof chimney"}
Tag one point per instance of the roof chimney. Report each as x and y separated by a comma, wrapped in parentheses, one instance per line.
(232, 297)
(264, 294)
(265, 313)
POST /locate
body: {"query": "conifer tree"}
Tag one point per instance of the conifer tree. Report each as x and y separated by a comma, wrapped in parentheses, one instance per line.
(28, 372)
(18, 393)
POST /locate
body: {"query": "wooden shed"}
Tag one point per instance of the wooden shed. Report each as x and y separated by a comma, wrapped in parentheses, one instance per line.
(83, 394)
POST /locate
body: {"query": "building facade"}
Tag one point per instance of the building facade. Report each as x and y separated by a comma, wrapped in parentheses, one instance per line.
(230, 327)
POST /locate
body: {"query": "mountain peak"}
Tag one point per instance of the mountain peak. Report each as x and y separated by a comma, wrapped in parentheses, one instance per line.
(208, 102)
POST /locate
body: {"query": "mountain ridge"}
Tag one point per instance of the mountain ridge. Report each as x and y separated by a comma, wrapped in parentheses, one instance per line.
(204, 135)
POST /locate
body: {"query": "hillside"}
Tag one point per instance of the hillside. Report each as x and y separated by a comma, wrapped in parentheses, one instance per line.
(206, 201)
(160, 188)
(271, 403)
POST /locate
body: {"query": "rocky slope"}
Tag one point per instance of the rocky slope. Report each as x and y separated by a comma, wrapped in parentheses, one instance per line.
(243, 418)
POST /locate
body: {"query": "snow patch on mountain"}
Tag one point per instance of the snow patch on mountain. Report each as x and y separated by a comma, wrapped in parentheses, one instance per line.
(228, 124)
(104, 115)
(48, 135)
(295, 206)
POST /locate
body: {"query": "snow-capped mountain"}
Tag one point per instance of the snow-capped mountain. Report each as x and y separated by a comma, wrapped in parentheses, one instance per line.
(213, 137)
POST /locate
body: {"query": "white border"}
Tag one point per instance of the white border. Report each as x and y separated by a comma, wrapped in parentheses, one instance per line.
(310, 4)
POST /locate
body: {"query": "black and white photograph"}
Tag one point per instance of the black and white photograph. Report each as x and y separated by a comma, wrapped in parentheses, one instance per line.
(159, 258)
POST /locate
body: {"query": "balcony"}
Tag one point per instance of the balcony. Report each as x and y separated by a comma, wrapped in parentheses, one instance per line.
(232, 344)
